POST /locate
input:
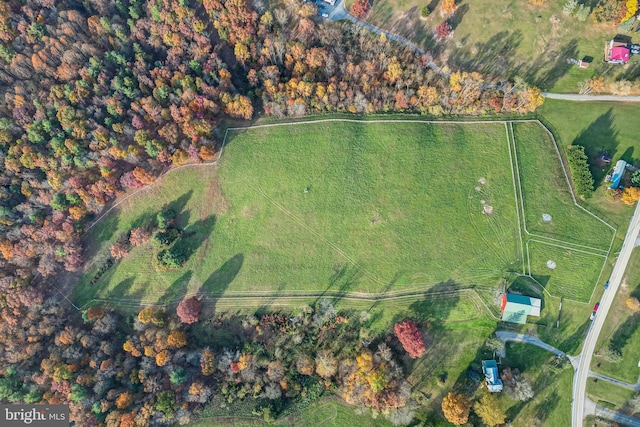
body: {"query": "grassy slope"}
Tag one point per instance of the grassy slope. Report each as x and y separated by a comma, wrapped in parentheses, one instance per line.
(390, 197)
(367, 222)
(509, 39)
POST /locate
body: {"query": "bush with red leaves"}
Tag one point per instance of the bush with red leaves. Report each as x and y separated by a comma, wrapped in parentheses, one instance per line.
(360, 8)
(443, 30)
(189, 310)
(410, 338)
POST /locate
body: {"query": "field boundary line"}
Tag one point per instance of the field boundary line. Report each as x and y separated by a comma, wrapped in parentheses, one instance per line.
(524, 221)
(515, 195)
(565, 247)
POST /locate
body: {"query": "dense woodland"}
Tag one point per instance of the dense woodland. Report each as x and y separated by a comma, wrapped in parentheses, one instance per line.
(100, 97)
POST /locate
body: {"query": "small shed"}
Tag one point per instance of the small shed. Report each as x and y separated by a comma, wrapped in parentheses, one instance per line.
(516, 308)
(618, 173)
(491, 377)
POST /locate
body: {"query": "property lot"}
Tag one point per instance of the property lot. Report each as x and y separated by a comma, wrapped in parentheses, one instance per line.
(345, 208)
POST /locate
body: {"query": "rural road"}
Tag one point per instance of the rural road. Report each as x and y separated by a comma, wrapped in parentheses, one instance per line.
(582, 371)
(576, 97)
(609, 414)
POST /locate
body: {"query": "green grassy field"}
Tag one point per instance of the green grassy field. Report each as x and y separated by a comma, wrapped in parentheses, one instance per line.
(350, 208)
(388, 207)
(509, 39)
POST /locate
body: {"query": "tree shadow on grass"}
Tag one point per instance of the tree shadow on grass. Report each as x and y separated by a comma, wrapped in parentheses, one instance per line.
(495, 57)
(193, 236)
(571, 344)
(177, 206)
(551, 66)
(178, 289)
(218, 282)
(596, 138)
(624, 332)
(546, 407)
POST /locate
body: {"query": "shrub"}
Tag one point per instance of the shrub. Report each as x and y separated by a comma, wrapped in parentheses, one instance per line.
(625, 26)
(583, 13)
(580, 173)
(139, 236)
(165, 238)
(633, 303)
(165, 218)
(425, 12)
(570, 7)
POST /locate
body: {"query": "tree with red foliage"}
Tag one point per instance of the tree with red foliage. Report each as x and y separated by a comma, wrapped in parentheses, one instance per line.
(189, 310)
(410, 338)
(443, 30)
(360, 8)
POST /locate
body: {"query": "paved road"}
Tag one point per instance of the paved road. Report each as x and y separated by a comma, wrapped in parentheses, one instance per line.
(582, 371)
(609, 414)
(575, 97)
(528, 339)
(627, 385)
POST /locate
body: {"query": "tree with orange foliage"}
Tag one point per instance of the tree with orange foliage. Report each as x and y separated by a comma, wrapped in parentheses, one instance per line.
(119, 249)
(360, 8)
(447, 7)
(207, 153)
(177, 339)
(143, 175)
(630, 195)
(456, 408)
(304, 365)
(6, 248)
(124, 400)
(127, 420)
(94, 313)
(139, 236)
(410, 338)
(163, 358)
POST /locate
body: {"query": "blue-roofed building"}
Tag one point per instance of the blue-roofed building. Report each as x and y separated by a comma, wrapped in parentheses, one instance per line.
(618, 173)
(492, 379)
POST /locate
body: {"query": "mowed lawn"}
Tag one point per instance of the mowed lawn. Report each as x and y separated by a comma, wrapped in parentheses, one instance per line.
(367, 207)
(342, 207)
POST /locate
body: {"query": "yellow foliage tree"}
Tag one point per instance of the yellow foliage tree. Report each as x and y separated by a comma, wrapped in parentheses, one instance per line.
(163, 358)
(177, 339)
(456, 408)
(488, 408)
(207, 362)
(630, 195)
(326, 364)
(448, 7)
